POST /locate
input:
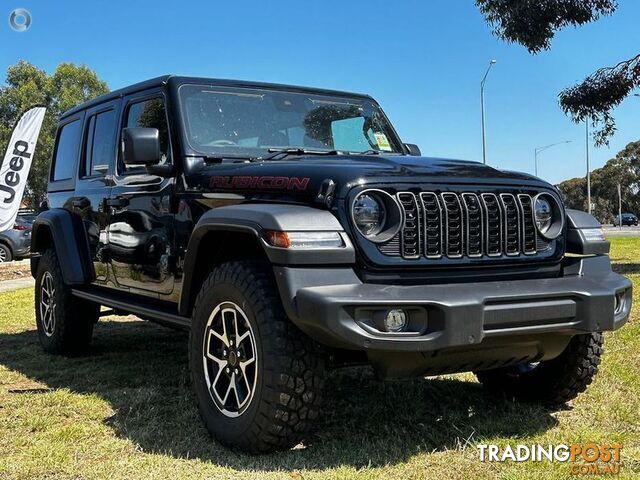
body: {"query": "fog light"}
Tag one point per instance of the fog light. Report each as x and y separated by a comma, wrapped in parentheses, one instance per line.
(395, 321)
(619, 303)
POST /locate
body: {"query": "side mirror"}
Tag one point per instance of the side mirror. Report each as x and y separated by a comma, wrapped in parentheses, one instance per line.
(413, 150)
(141, 146)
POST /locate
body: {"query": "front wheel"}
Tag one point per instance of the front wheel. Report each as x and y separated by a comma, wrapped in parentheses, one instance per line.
(555, 381)
(257, 378)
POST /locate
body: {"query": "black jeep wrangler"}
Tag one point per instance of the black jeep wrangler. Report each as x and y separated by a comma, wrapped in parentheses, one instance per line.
(291, 231)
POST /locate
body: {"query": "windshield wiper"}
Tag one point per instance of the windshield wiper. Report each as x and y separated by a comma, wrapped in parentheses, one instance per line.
(222, 158)
(277, 153)
(377, 152)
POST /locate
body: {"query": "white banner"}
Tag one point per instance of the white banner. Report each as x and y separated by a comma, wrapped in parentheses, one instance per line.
(16, 164)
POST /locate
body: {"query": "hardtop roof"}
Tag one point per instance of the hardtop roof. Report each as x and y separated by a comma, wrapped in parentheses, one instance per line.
(165, 79)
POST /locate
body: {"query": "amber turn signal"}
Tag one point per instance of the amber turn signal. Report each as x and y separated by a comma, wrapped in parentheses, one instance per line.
(278, 239)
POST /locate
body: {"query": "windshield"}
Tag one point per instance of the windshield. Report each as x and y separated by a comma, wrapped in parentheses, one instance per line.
(250, 122)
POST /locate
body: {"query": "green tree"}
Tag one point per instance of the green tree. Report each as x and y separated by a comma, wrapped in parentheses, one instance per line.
(624, 169)
(533, 24)
(574, 193)
(27, 85)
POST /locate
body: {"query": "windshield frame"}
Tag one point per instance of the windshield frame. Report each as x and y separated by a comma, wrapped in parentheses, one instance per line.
(398, 147)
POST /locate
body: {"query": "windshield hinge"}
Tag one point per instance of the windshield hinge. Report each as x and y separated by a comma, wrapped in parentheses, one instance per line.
(326, 192)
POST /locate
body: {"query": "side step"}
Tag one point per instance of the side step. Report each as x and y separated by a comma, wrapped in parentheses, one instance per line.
(157, 312)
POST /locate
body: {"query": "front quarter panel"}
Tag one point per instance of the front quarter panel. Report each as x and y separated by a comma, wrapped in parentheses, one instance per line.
(255, 219)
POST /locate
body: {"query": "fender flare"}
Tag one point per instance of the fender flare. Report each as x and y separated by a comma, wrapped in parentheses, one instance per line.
(577, 221)
(255, 219)
(70, 242)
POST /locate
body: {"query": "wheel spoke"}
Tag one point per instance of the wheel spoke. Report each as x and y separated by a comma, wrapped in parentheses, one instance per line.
(242, 337)
(47, 286)
(223, 338)
(235, 326)
(225, 325)
(214, 384)
(46, 320)
(213, 358)
(245, 363)
(246, 384)
(235, 391)
(232, 385)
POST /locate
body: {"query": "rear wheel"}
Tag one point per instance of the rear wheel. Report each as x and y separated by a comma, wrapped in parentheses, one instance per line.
(65, 323)
(257, 378)
(5, 253)
(554, 381)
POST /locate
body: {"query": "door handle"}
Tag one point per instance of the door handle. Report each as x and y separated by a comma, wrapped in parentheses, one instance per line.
(117, 202)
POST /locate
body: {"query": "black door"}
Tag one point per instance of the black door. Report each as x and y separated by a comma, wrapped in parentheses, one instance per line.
(95, 179)
(141, 220)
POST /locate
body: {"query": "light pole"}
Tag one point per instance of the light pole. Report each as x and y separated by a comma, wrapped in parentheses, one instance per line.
(484, 136)
(586, 123)
(542, 149)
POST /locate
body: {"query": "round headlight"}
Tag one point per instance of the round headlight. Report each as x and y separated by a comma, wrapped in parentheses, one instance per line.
(369, 214)
(549, 215)
(543, 214)
(376, 215)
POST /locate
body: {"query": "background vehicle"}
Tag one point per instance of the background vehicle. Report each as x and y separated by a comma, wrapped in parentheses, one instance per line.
(628, 219)
(15, 244)
(291, 231)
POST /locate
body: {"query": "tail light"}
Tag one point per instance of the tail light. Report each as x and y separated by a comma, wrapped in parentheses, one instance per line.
(20, 228)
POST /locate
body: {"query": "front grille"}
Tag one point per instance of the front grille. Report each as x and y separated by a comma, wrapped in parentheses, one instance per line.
(466, 225)
(411, 233)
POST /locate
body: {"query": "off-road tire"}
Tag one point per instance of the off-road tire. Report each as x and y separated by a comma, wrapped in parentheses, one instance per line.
(555, 381)
(6, 255)
(74, 318)
(288, 390)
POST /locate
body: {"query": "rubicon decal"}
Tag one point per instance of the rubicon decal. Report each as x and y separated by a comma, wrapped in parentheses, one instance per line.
(260, 182)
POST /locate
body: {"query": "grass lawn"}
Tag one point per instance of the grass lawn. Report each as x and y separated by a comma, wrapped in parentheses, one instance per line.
(126, 411)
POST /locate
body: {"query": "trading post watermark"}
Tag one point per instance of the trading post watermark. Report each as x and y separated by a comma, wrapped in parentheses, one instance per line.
(20, 20)
(584, 459)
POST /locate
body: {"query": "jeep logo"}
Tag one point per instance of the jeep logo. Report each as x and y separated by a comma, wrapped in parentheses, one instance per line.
(16, 164)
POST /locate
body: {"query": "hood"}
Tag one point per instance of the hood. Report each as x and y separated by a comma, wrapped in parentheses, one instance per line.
(306, 174)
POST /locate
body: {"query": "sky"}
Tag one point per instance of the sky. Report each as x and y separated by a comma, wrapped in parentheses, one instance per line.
(421, 59)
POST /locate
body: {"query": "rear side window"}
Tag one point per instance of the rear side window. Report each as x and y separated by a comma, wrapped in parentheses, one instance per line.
(67, 151)
(150, 114)
(100, 147)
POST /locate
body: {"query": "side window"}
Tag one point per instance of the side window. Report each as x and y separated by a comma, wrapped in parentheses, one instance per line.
(150, 114)
(66, 154)
(100, 146)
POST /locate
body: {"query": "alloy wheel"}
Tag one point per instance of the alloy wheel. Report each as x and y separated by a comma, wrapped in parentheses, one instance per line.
(230, 359)
(47, 304)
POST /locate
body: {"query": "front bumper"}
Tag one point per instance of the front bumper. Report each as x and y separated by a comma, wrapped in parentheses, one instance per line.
(333, 307)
